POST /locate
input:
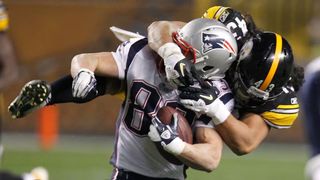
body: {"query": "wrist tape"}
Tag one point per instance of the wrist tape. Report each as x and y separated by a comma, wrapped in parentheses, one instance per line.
(171, 53)
(218, 112)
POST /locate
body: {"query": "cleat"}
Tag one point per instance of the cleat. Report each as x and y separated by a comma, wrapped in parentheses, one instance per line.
(34, 95)
(38, 173)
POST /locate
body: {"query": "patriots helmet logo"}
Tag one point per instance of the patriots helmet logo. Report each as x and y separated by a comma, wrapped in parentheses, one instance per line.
(213, 41)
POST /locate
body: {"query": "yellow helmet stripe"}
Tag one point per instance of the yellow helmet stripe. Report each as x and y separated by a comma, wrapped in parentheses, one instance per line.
(211, 12)
(221, 10)
(214, 12)
(274, 64)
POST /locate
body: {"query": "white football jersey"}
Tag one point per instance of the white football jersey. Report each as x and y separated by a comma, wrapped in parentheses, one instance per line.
(146, 92)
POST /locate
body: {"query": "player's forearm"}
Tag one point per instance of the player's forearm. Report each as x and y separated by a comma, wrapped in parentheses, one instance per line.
(160, 33)
(242, 136)
(205, 157)
(83, 61)
(101, 63)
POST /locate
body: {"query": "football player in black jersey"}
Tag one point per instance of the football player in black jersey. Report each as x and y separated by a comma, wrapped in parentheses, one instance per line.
(264, 80)
(263, 94)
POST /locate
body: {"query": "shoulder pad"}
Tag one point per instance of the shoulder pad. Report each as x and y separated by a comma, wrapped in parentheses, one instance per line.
(285, 113)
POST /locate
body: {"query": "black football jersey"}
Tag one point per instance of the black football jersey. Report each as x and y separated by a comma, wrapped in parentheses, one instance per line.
(279, 113)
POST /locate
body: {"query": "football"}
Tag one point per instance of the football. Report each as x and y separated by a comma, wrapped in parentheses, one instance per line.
(185, 133)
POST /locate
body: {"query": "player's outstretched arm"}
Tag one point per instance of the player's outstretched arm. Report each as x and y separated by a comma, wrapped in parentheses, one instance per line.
(37, 93)
(83, 70)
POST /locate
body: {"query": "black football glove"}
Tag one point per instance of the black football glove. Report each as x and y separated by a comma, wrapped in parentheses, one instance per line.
(205, 101)
(180, 74)
(207, 95)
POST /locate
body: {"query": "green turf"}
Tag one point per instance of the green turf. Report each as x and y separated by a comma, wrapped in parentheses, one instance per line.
(86, 159)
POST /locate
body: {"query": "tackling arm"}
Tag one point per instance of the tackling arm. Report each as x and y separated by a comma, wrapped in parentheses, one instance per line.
(244, 135)
(206, 153)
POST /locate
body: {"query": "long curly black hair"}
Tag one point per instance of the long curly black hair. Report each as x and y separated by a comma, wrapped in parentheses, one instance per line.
(297, 77)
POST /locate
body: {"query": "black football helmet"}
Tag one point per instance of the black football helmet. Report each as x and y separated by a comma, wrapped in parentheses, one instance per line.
(232, 19)
(263, 69)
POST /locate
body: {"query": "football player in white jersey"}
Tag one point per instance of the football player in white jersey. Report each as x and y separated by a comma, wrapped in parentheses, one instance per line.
(265, 93)
(141, 71)
(147, 91)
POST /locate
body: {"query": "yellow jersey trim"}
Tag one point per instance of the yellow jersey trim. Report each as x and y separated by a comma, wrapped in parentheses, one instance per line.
(293, 106)
(280, 119)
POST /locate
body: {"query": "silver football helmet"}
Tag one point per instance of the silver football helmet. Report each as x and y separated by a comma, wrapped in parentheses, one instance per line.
(211, 44)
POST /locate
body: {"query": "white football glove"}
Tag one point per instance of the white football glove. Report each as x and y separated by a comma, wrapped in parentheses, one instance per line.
(177, 67)
(167, 135)
(83, 83)
(205, 101)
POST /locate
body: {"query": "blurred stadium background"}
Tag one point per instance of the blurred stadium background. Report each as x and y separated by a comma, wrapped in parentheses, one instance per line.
(48, 33)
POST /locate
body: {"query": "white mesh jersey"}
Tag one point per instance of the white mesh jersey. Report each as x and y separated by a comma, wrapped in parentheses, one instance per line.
(146, 93)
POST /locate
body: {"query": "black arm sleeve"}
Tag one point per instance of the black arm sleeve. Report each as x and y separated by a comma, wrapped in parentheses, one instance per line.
(61, 89)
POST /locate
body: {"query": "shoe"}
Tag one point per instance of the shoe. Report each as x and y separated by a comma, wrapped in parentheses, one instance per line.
(34, 95)
(38, 173)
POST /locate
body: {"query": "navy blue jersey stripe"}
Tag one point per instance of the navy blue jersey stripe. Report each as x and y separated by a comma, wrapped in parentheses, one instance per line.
(226, 98)
(134, 49)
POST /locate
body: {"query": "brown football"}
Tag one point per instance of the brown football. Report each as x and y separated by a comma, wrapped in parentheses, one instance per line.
(185, 133)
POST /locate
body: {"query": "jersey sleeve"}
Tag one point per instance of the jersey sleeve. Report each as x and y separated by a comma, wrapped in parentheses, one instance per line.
(284, 114)
(126, 52)
(4, 20)
(121, 56)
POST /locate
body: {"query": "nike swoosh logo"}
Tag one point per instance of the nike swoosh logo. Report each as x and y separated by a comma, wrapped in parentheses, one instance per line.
(182, 65)
(210, 98)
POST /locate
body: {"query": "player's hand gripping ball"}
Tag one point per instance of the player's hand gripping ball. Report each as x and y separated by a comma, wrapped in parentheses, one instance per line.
(181, 130)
